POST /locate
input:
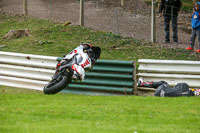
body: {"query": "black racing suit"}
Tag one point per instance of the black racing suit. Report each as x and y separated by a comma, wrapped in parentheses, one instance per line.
(181, 89)
(164, 90)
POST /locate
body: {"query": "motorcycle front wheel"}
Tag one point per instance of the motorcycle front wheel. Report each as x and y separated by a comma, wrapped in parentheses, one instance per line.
(57, 85)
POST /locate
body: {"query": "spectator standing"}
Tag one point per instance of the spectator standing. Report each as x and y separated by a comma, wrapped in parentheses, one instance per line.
(195, 27)
(169, 9)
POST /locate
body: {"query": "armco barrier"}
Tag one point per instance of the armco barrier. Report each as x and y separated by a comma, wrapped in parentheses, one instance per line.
(34, 71)
(171, 71)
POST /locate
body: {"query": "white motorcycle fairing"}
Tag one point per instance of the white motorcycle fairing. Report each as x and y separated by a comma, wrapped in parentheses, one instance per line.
(83, 61)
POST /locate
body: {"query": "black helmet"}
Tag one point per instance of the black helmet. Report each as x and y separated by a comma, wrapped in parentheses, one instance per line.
(92, 51)
(86, 46)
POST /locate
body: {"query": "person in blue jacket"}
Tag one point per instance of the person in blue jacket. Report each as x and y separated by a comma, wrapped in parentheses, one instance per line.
(195, 27)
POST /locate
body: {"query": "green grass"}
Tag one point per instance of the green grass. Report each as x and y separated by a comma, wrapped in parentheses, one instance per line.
(33, 112)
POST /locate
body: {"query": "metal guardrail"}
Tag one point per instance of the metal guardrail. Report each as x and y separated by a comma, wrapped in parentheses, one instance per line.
(34, 71)
(26, 70)
(171, 71)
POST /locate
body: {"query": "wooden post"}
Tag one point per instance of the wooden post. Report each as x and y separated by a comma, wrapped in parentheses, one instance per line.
(1, 4)
(135, 7)
(153, 22)
(50, 8)
(117, 16)
(122, 3)
(25, 7)
(134, 78)
(96, 3)
(81, 19)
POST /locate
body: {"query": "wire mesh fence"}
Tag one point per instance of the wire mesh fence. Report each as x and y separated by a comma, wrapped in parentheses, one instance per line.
(12, 6)
(172, 25)
(133, 20)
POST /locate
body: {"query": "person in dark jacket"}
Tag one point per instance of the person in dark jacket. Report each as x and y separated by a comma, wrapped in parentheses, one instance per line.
(170, 9)
(195, 27)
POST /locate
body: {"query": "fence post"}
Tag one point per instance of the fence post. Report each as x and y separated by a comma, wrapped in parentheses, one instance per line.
(25, 7)
(153, 22)
(117, 16)
(50, 8)
(1, 4)
(122, 3)
(134, 79)
(96, 3)
(81, 19)
(135, 7)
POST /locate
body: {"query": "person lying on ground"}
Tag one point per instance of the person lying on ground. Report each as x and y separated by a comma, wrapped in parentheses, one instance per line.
(164, 90)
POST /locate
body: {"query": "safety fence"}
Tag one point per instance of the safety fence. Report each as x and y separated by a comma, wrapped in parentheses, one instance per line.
(34, 71)
(171, 71)
(133, 19)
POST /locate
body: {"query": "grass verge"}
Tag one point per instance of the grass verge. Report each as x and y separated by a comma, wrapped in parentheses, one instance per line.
(33, 112)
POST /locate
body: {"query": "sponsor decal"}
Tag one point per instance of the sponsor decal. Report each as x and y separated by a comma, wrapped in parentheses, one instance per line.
(85, 63)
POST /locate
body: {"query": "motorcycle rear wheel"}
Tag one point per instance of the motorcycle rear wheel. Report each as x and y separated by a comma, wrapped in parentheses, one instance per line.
(54, 87)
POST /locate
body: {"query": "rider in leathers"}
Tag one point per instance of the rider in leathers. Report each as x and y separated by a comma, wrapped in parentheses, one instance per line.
(84, 56)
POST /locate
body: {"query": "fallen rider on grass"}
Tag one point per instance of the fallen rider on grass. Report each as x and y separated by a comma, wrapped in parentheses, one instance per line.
(164, 90)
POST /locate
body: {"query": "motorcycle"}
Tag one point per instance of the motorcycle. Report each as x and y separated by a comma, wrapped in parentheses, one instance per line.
(72, 66)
